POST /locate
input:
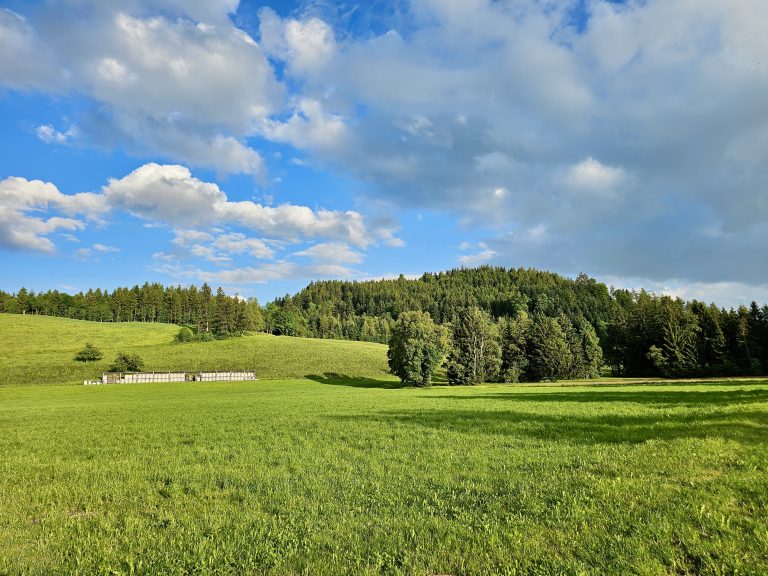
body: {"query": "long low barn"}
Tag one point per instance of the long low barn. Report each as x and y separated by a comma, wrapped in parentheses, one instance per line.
(142, 377)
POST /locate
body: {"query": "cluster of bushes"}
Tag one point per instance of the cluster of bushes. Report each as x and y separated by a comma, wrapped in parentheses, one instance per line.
(123, 362)
(474, 349)
(187, 334)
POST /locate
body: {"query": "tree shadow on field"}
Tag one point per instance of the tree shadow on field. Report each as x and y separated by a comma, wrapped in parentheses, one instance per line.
(748, 427)
(658, 414)
(354, 381)
(665, 398)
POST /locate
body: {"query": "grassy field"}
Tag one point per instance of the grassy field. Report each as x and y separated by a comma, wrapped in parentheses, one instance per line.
(343, 477)
(40, 350)
(346, 472)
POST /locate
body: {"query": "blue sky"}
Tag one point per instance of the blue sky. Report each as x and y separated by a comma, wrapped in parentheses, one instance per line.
(260, 146)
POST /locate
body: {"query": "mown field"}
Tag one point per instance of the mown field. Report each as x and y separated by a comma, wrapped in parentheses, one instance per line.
(40, 350)
(351, 474)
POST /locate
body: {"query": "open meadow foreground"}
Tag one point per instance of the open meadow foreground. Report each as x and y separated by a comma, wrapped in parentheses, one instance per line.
(346, 472)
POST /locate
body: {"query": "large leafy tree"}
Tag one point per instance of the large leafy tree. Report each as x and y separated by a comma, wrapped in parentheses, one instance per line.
(475, 352)
(417, 347)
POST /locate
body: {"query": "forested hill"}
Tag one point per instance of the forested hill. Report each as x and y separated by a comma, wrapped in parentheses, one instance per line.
(640, 334)
(499, 291)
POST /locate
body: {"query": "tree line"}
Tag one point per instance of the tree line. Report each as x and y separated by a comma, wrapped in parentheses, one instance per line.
(534, 316)
(207, 314)
(638, 333)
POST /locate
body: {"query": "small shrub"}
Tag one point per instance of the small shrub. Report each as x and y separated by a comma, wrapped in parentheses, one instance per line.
(185, 335)
(89, 354)
(127, 363)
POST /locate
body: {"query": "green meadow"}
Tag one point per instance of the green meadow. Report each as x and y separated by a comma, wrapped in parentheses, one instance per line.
(333, 468)
(40, 349)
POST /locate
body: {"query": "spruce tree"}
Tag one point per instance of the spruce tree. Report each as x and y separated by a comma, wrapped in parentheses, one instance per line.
(514, 338)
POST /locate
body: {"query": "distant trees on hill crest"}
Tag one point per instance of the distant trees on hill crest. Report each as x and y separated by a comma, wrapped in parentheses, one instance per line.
(505, 324)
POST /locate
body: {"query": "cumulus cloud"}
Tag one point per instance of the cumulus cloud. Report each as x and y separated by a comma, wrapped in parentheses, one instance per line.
(725, 294)
(310, 126)
(237, 243)
(169, 193)
(306, 45)
(175, 78)
(623, 141)
(592, 177)
(482, 256)
(220, 246)
(165, 193)
(327, 252)
(270, 271)
(104, 249)
(25, 205)
(576, 144)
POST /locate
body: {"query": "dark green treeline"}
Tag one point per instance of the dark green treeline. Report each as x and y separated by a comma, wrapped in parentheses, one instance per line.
(217, 315)
(639, 334)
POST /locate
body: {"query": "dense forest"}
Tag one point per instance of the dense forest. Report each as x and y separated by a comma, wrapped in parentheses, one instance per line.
(532, 312)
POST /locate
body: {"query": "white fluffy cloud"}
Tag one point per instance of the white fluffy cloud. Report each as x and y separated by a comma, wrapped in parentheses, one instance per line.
(637, 132)
(615, 143)
(219, 246)
(166, 194)
(307, 45)
(25, 207)
(592, 177)
(173, 78)
(332, 252)
(169, 193)
(162, 68)
(270, 271)
(482, 256)
(310, 126)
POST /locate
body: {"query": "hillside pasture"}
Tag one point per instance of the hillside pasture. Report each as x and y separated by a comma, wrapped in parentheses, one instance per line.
(40, 350)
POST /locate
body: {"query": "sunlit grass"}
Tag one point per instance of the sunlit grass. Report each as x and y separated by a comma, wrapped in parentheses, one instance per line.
(347, 476)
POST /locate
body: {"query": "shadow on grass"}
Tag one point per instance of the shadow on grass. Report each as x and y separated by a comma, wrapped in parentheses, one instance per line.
(353, 381)
(748, 427)
(689, 398)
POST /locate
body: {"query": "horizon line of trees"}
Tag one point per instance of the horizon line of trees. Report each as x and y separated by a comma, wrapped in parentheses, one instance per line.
(638, 333)
(209, 315)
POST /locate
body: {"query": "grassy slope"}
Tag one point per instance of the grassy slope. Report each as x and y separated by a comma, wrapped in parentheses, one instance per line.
(302, 477)
(39, 350)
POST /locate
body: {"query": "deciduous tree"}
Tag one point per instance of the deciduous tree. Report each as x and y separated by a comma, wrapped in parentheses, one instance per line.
(417, 347)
